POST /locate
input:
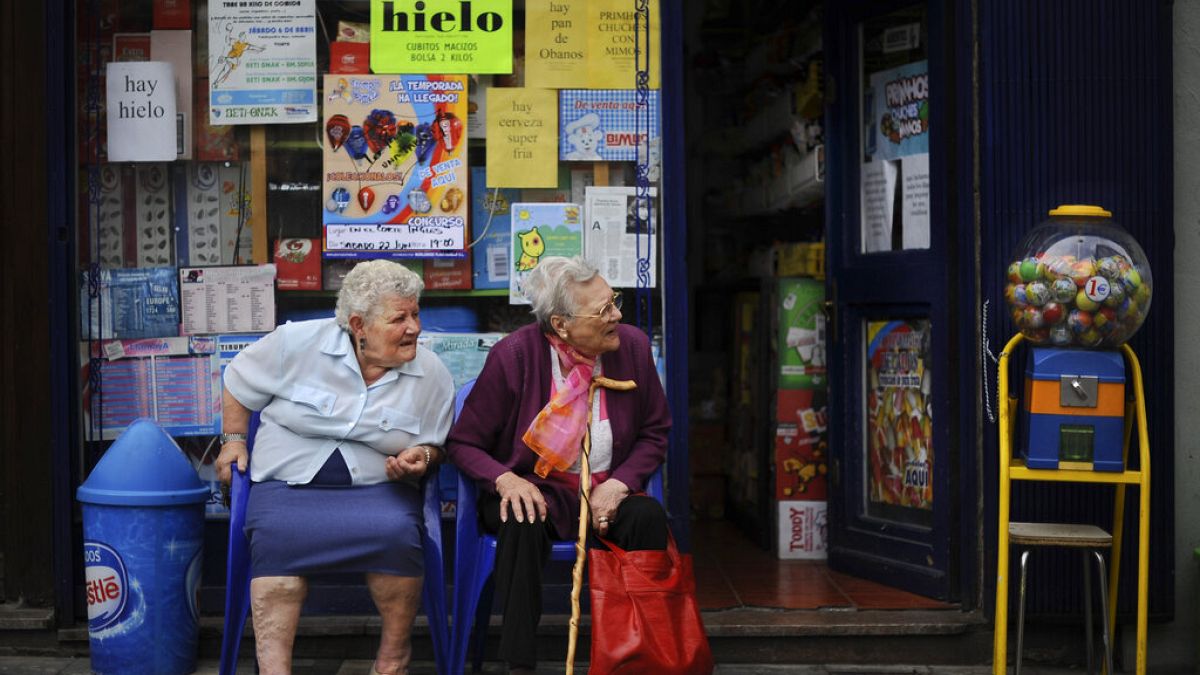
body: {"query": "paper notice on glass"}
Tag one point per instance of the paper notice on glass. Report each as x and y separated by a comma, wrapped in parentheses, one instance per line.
(611, 238)
(262, 62)
(878, 197)
(916, 201)
(237, 299)
(141, 112)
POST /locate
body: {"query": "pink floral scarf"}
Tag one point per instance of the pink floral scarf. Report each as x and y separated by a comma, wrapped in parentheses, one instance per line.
(556, 434)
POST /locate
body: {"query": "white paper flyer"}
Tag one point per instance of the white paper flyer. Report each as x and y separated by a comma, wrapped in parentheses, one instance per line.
(611, 240)
(262, 62)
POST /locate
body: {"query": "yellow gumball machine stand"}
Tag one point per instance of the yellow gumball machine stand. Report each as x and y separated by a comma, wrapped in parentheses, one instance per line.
(1080, 284)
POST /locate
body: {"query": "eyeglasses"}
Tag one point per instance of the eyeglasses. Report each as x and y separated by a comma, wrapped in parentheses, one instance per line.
(606, 312)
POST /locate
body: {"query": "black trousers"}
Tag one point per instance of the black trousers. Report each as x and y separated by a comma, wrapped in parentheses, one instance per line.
(522, 550)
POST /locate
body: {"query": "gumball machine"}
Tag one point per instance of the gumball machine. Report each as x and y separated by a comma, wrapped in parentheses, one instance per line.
(1078, 288)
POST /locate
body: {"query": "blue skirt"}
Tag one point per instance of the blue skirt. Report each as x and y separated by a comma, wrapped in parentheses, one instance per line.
(319, 529)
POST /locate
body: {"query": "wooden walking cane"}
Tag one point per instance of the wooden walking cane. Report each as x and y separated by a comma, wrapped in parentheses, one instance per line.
(585, 489)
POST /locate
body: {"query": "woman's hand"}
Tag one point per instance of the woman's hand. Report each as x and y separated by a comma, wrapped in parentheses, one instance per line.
(605, 499)
(233, 451)
(523, 496)
(410, 463)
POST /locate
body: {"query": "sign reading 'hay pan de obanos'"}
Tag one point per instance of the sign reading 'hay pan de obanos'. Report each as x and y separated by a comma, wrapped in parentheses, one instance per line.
(441, 36)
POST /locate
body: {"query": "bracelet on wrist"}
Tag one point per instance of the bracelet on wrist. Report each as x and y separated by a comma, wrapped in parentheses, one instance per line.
(228, 438)
(428, 455)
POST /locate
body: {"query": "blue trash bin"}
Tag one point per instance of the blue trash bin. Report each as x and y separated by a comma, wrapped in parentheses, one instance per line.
(143, 528)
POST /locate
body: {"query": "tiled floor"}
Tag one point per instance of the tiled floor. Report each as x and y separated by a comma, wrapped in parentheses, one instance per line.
(732, 572)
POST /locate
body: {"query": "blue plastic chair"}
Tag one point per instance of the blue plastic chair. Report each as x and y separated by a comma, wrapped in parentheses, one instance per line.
(237, 573)
(475, 558)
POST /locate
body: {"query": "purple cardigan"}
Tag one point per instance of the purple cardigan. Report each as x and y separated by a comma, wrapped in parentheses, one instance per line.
(514, 386)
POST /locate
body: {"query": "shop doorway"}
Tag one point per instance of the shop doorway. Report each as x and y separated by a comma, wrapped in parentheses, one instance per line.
(826, 390)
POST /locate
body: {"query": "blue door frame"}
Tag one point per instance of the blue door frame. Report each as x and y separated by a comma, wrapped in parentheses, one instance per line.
(675, 274)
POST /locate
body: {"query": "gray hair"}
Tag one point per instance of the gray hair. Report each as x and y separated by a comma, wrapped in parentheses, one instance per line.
(367, 284)
(550, 287)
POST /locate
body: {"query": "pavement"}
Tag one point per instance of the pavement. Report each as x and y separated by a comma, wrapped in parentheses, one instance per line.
(54, 665)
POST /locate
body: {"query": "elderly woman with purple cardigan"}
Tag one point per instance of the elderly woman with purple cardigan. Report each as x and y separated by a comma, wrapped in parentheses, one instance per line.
(524, 453)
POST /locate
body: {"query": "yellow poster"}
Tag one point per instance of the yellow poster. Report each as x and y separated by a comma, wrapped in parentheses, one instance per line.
(441, 36)
(556, 41)
(614, 32)
(522, 138)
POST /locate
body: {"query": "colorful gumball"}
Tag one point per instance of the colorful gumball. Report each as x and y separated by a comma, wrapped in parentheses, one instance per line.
(1082, 270)
(1082, 301)
(1109, 267)
(1105, 319)
(1142, 295)
(1064, 290)
(1058, 267)
(1031, 268)
(1090, 338)
(1079, 321)
(1132, 279)
(1020, 297)
(1061, 335)
(1031, 317)
(1053, 313)
(1116, 295)
(1037, 292)
(1014, 271)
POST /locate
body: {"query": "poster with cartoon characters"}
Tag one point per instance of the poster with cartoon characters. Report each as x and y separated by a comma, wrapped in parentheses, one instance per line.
(899, 414)
(896, 159)
(605, 125)
(262, 62)
(395, 171)
(540, 230)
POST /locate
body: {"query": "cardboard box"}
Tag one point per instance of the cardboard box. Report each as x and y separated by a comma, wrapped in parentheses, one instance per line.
(801, 334)
(350, 58)
(298, 264)
(801, 530)
(801, 445)
(443, 274)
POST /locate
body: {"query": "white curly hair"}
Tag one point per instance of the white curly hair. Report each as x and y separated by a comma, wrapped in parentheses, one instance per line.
(550, 287)
(368, 283)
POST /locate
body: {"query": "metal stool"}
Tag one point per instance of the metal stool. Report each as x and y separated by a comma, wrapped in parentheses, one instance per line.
(1092, 540)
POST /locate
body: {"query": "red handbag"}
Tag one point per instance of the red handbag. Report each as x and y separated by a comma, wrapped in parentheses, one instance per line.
(644, 613)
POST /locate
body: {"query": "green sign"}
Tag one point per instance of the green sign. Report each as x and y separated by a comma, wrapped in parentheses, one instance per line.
(441, 36)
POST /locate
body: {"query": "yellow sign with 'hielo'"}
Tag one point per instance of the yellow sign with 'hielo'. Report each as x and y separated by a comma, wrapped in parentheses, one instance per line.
(441, 36)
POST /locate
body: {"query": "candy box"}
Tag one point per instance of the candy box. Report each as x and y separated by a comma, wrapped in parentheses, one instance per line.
(1073, 410)
(298, 264)
(801, 530)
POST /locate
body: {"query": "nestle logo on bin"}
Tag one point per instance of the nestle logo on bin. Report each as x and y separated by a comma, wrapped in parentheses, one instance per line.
(107, 585)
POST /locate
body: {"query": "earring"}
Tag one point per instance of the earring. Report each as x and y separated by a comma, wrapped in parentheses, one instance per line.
(362, 344)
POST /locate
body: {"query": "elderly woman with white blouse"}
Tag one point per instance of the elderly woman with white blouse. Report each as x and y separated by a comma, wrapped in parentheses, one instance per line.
(354, 413)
